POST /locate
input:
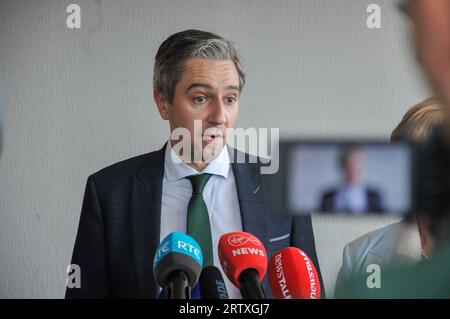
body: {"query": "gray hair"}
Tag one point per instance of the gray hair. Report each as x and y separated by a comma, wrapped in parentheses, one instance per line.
(189, 44)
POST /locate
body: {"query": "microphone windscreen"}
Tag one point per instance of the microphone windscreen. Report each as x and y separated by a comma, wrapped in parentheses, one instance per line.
(292, 275)
(212, 285)
(239, 251)
(177, 251)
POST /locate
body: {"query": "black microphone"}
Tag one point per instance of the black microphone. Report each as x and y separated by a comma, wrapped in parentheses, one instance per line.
(212, 285)
(177, 265)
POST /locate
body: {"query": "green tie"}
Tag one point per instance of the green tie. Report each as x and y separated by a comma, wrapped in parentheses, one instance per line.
(198, 225)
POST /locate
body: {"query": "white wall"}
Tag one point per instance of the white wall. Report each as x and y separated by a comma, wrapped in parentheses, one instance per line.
(78, 100)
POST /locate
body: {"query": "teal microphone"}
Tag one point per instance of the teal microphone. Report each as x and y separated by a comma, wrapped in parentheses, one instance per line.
(177, 265)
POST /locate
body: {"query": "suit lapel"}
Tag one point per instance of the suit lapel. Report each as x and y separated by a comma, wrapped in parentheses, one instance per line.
(251, 199)
(146, 220)
(254, 214)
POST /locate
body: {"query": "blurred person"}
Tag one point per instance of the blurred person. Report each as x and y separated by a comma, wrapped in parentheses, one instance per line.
(430, 278)
(352, 195)
(410, 240)
(431, 22)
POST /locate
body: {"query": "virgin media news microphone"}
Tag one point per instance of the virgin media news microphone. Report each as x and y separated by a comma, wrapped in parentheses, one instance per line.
(212, 285)
(244, 261)
(292, 275)
(177, 265)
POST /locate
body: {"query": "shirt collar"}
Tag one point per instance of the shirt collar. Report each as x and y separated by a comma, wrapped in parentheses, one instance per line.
(353, 188)
(175, 168)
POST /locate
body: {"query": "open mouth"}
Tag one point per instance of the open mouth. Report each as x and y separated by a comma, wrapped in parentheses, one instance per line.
(212, 137)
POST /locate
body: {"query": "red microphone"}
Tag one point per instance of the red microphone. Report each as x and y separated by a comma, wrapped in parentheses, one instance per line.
(244, 261)
(292, 275)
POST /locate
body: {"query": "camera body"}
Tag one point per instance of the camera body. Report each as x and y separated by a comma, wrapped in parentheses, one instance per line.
(359, 177)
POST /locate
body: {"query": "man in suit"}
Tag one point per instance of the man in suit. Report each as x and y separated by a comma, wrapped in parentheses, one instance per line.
(129, 207)
(353, 195)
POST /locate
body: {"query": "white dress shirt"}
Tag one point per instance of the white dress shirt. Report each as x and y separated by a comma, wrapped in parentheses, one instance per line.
(351, 197)
(220, 195)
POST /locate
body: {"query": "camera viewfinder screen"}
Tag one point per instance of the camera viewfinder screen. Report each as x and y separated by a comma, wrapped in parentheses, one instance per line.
(351, 179)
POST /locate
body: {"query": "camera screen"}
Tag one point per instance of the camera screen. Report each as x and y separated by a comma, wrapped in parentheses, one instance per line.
(348, 178)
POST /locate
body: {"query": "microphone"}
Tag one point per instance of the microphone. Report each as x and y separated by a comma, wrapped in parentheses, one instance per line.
(244, 261)
(212, 285)
(292, 275)
(177, 265)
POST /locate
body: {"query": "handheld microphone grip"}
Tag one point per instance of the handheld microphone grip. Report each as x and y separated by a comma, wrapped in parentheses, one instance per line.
(177, 265)
(250, 285)
(244, 261)
(178, 285)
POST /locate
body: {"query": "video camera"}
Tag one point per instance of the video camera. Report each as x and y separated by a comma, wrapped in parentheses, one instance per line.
(359, 177)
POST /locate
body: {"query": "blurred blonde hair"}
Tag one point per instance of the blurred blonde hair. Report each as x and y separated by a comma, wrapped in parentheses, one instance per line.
(419, 120)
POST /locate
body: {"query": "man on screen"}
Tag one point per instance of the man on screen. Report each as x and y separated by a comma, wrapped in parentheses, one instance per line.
(352, 195)
(129, 207)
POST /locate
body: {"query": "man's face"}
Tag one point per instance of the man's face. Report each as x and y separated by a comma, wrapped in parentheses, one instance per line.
(208, 91)
(354, 167)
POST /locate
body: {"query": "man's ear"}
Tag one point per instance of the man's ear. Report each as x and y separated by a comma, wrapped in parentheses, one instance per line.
(162, 104)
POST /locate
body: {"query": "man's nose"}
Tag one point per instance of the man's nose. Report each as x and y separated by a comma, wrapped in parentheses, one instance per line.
(217, 115)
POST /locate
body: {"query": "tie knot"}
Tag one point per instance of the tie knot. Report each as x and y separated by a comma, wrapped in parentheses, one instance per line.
(199, 182)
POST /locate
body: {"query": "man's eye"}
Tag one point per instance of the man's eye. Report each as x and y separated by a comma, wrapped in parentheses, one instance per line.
(231, 100)
(200, 99)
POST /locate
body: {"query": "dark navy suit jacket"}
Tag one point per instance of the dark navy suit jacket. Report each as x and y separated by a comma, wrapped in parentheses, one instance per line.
(119, 229)
(374, 201)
